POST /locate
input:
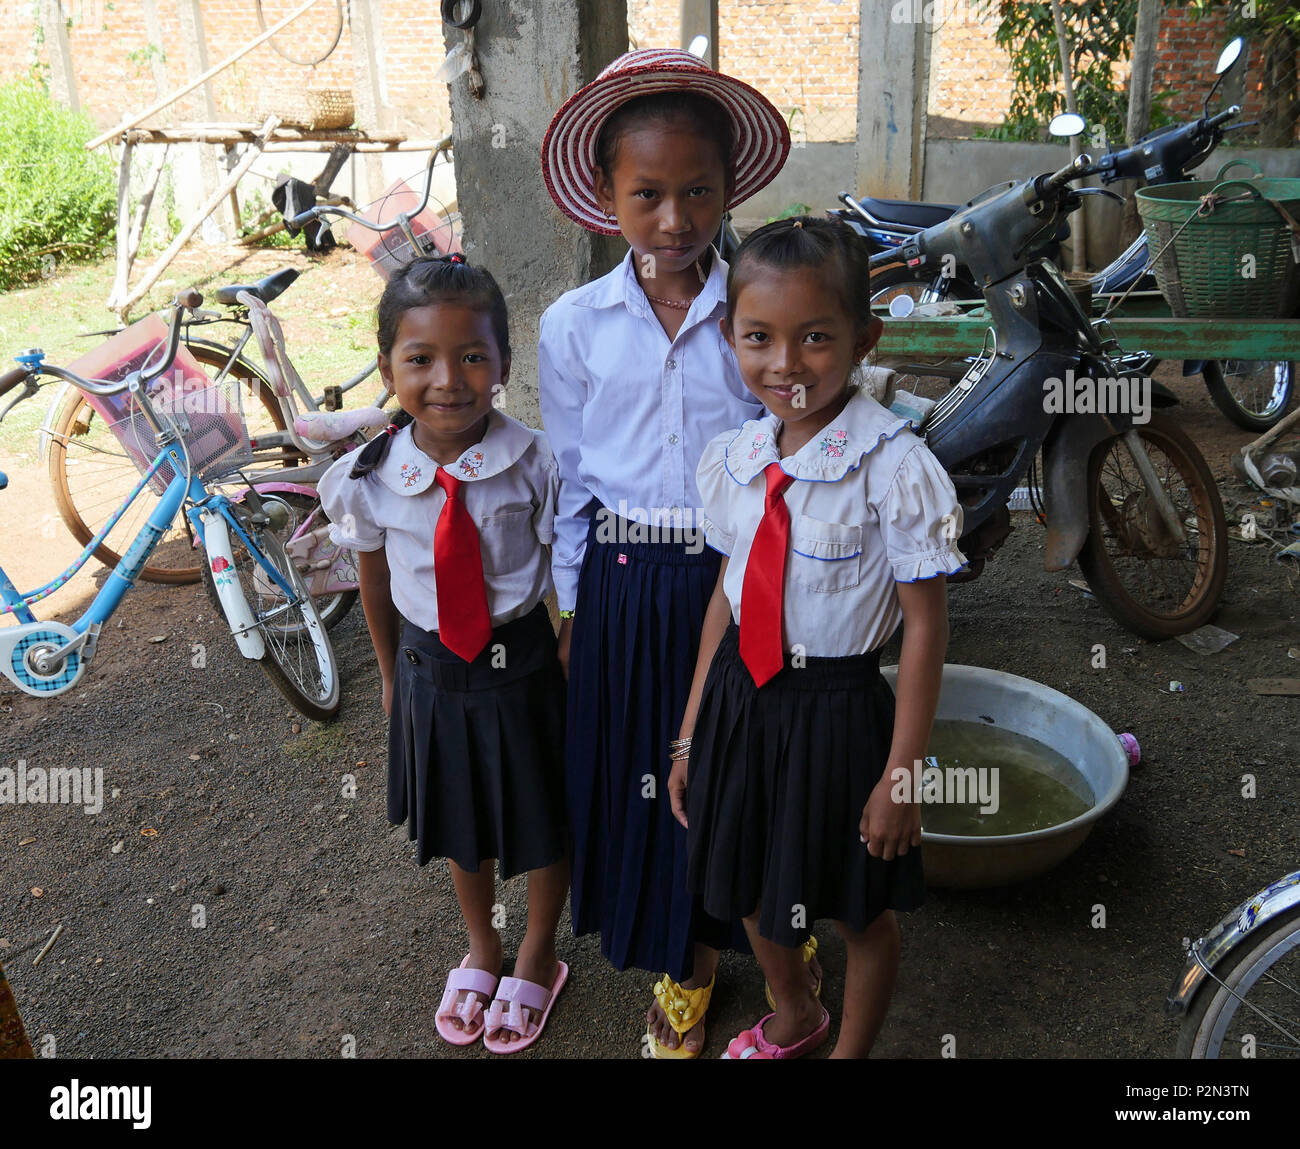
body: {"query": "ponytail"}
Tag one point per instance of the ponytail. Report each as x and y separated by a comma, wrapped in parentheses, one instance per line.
(372, 454)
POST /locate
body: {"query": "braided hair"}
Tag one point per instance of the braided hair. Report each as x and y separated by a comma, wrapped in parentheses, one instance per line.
(424, 281)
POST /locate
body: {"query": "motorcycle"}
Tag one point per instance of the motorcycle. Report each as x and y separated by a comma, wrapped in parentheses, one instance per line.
(1253, 395)
(1127, 492)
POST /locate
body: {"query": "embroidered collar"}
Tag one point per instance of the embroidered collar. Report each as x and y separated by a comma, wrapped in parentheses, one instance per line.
(620, 288)
(831, 454)
(406, 470)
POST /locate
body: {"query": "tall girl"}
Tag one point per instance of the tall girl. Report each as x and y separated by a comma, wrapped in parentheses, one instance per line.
(635, 379)
(451, 511)
(837, 523)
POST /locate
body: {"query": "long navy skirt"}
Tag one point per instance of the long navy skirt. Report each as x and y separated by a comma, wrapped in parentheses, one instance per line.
(636, 633)
(476, 749)
(777, 782)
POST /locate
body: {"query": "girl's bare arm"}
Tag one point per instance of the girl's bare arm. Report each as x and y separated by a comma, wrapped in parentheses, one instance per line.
(382, 618)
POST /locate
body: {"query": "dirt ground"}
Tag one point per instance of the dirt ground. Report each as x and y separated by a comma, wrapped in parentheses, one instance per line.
(317, 924)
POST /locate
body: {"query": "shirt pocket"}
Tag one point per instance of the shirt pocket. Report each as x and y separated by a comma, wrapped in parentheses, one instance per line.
(825, 557)
(507, 541)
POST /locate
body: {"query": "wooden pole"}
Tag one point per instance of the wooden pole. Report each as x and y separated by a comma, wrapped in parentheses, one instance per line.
(140, 117)
(1079, 223)
(137, 225)
(62, 78)
(196, 64)
(209, 206)
(1139, 103)
(123, 220)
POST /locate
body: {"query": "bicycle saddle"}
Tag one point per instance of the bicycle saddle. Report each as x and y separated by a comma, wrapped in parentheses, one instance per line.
(265, 289)
(907, 211)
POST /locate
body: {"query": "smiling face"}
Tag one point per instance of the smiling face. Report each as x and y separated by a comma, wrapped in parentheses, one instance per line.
(668, 189)
(445, 368)
(796, 345)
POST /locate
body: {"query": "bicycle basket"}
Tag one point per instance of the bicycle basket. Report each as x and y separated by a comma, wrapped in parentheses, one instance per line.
(210, 418)
(1231, 261)
(390, 250)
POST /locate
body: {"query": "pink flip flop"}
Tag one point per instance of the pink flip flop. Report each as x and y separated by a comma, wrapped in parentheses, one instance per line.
(519, 995)
(470, 1010)
(751, 1043)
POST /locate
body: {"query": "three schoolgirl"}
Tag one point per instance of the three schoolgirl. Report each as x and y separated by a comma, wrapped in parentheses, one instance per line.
(826, 520)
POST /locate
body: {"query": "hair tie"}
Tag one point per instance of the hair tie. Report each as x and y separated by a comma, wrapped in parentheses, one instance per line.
(798, 223)
(456, 257)
(391, 429)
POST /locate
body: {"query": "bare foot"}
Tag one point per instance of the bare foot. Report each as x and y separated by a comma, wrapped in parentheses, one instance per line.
(538, 966)
(791, 1025)
(666, 1035)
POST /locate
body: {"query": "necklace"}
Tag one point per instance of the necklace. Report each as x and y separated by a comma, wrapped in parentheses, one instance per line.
(680, 304)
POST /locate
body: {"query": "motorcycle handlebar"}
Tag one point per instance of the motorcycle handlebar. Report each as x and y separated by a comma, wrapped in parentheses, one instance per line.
(1169, 151)
(1075, 168)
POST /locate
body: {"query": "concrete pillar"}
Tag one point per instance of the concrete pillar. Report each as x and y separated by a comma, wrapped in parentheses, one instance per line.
(533, 55)
(63, 83)
(893, 86)
(700, 18)
(219, 226)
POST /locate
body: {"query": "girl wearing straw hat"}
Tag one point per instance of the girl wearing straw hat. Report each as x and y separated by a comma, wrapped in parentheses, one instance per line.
(635, 378)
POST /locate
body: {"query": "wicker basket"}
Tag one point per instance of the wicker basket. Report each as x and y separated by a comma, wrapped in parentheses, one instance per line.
(1204, 272)
(312, 109)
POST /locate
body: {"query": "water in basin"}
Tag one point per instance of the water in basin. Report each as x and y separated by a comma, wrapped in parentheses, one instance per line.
(1034, 786)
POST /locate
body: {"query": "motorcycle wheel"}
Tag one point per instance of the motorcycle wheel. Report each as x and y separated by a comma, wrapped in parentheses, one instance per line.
(1144, 579)
(931, 378)
(1254, 394)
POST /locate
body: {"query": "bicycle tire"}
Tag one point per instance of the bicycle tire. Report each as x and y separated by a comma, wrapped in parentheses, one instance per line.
(1255, 411)
(1134, 526)
(85, 506)
(291, 629)
(1214, 1007)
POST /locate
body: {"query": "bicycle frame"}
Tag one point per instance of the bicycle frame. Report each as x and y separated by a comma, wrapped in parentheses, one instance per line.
(65, 651)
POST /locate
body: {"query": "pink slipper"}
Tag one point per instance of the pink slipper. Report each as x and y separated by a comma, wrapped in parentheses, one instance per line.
(470, 1010)
(751, 1042)
(519, 995)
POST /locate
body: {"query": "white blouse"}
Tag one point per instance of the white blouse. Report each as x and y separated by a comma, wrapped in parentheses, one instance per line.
(509, 486)
(627, 410)
(871, 506)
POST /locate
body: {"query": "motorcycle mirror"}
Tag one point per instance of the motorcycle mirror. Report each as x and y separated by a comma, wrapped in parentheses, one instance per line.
(699, 46)
(1229, 56)
(901, 306)
(1067, 124)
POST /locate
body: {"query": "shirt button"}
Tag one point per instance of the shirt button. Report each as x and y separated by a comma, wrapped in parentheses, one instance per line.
(673, 438)
(671, 363)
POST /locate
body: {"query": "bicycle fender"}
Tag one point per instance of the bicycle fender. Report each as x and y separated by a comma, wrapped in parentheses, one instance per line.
(1274, 899)
(221, 562)
(1066, 451)
(46, 434)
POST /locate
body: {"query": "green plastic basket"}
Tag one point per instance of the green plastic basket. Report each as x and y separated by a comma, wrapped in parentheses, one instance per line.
(1232, 262)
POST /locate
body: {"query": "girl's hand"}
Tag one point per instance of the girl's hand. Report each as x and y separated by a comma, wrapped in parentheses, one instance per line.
(562, 648)
(889, 828)
(388, 697)
(677, 789)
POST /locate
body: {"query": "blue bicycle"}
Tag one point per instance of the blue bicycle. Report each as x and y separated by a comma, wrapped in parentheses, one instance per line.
(184, 434)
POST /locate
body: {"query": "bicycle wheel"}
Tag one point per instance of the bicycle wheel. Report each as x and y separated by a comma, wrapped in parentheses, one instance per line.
(296, 509)
(1144, 578)
(1253, 393)
(929, 378)
(1253, 1009)
(299, 657)
(92, 474)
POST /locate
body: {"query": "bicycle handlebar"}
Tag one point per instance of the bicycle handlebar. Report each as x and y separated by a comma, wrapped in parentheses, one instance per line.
(11, 379)
(305, 217)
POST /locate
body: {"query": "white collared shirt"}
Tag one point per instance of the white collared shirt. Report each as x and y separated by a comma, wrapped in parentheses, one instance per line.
(627, 411)
(509, 484)
(870, 506)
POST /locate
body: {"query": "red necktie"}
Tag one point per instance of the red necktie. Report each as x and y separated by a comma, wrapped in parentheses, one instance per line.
(761, 593)
(464, 624)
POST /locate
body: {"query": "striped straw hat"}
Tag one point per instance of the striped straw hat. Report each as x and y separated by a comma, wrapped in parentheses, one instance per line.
(761, 138)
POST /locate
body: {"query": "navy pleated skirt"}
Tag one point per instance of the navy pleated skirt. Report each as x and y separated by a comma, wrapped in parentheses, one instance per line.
(476, 749)
(777, 782)
(636, 633)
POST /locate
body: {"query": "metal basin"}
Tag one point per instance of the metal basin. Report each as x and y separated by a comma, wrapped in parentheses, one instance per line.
(974, 694)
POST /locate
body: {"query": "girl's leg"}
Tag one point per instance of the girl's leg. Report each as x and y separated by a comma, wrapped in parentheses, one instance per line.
(476, 894)
(870, 971)
(706, 964)
(537, 961)
(798, 1012)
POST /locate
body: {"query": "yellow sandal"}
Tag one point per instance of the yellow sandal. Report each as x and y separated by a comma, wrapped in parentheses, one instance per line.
(685, 1009)
(809, 948)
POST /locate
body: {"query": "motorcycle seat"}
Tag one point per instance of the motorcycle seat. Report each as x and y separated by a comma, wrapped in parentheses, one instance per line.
(907, 212)
(265, 289)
